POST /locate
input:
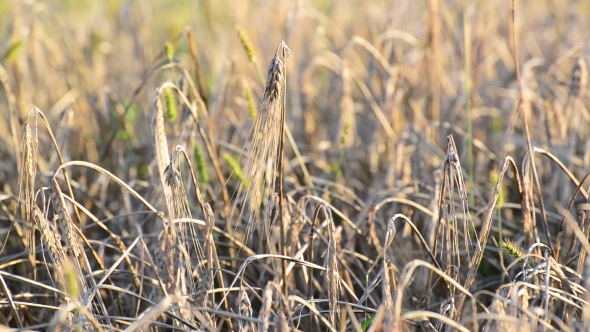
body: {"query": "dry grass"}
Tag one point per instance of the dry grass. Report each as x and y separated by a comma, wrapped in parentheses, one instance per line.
(424, 167)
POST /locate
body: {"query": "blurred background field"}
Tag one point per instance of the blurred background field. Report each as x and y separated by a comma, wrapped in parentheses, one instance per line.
(392, 107)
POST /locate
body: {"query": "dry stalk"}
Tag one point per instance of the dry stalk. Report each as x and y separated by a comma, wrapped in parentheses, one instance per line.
(27, 180)
(51, 239)
(332, 275)
(450, 228)
(160, 141)
(70, 234)
(386, 293)
(171, 268)
(177, 198)
(484, 233)
(265, 157)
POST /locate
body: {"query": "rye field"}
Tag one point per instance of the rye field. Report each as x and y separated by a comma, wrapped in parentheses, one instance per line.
(294, 165)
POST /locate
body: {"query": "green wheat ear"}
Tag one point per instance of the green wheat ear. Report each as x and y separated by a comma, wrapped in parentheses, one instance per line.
(250, 51)
(251, 105)
(247, 45)
(13, 51)
(511, 250)
(71, 286)
(169, 51)
(170, 104)
(493, 180)
(172, 112)
(235, 167)
(201, 166)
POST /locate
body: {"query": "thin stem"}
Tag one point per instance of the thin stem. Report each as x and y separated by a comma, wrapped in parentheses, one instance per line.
(467, 86)
(282, 247)
(310, 253)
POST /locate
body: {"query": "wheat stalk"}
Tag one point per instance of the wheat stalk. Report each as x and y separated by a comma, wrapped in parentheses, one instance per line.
(332, 269)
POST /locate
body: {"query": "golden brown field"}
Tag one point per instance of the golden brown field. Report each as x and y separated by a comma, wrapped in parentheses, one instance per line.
(294, 165)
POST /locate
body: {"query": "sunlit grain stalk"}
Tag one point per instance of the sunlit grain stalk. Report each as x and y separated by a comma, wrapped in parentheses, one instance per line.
(332, 268)
(467, 87)
(27, 180)
(285, 54)
(316, 216)
(265, 157)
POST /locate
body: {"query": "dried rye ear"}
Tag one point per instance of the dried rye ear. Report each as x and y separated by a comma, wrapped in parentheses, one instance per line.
(245, 309)
(51, 239)
(74, 239)
(205, 284)
(178, 205)
(172, 267)
(262, 160)
(27, 177)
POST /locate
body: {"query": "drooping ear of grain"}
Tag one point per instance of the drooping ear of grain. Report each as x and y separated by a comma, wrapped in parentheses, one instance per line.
(170, 258)
(51, 239)
(75, 251)
(175, 257)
